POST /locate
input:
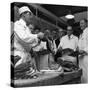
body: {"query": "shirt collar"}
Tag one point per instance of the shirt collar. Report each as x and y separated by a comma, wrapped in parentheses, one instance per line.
(22, 22)
(70, 36)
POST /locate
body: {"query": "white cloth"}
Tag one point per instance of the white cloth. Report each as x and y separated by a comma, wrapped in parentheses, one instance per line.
(54, 46)
(83, 63)
(71, 43)
(83, 60)
(24, 33)
(83, 40)
(26, 36)
(42, 45)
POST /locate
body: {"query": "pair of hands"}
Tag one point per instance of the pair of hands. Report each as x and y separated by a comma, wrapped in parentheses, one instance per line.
(40, 35)
(82, 52)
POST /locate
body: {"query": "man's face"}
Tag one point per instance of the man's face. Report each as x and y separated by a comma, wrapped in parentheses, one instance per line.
(82, 24)
(69, 30)
(28, 16)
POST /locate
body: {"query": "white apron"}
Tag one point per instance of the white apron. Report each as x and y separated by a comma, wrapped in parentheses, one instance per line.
(83, 63)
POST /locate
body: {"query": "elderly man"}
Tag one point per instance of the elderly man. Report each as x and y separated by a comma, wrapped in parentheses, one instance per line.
(24, 40)
(83, 49)
(68, 45)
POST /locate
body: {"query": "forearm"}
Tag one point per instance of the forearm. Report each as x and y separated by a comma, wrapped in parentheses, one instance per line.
(59, 48)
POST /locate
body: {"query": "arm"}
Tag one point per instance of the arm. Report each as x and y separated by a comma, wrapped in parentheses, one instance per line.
(76, 44)
(24, 34)
(86, 40)
(55, 47)
(60, 45)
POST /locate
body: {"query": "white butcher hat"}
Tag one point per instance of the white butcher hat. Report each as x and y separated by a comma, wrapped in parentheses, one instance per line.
(24, 9)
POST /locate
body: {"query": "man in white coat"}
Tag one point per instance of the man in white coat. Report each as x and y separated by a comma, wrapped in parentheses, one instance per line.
(23, 37)
(83, 49)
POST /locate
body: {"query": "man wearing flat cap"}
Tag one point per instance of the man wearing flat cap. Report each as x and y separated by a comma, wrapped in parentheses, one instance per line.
(24, 37)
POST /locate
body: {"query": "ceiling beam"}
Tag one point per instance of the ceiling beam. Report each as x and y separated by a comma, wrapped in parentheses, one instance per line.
(46, 12)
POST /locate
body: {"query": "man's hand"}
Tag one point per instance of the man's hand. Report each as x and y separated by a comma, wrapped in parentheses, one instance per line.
(59, 49)
(82, 52)
(40, 35)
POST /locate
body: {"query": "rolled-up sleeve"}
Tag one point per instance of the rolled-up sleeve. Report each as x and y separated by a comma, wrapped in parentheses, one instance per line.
(24, 34)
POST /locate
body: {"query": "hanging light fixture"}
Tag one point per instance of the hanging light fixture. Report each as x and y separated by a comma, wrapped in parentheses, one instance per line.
(69, 15)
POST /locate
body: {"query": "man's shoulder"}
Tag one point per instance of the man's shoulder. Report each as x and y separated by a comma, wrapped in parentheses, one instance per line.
(75, 37)
(86, 30)
(64, 37)
(18, 24)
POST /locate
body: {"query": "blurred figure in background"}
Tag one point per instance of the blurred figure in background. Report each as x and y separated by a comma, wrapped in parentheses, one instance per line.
(44, 59)
(83, 50)
(55, 36)
(51, 47)
(57, 41)
(61, 33)
(33, 49)
(37, 49)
